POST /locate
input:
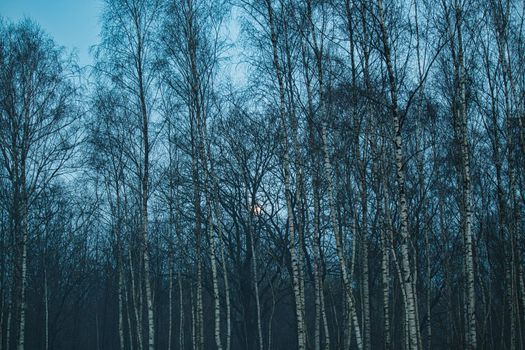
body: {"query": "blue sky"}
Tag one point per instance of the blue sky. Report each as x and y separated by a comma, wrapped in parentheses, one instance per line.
(71, 23)
(75, 24)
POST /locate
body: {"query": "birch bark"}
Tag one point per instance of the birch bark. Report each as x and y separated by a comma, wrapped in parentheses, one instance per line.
(410, 300)
(461, 110)
(296, 279)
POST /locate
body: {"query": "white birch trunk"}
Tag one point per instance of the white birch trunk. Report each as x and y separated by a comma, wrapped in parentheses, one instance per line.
(136, 303)
(339, 241)
(182, 338)
(170, 298)
(296, 279)
(227, 297)
(128, 315)
(385, 277)
(320, 312)
(23, 273)
(215, 282)
(199, 317)
(410, 300)
(471, 337)
(256, 286)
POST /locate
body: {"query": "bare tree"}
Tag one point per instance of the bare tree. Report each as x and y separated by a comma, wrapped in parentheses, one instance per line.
(126, 57)
(39, 111)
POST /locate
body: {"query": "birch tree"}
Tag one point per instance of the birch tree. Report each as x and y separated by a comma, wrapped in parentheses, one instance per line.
(38, 114)
(126, 58)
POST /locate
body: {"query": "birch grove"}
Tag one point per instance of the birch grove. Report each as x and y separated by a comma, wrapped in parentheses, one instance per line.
(266, 174)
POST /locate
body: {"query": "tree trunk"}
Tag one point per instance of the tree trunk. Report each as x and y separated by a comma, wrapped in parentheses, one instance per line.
(339, 240)
(410, 300)
(182, 338)
(215, 281)
(227, 297)
(255, 282)
(46, 310)
(320, 312)
(171, 263)
(296, 273)
(470, 329)
(24, 227)
(136, 303)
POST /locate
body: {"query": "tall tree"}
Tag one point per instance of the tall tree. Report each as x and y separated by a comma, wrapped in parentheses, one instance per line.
(38, 114)
(126, 57)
